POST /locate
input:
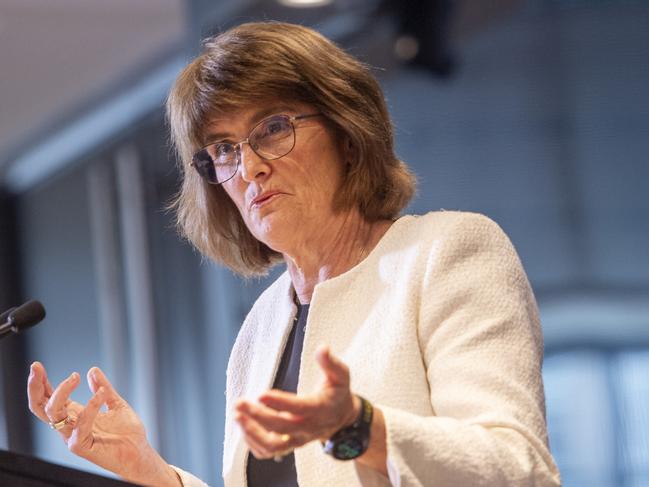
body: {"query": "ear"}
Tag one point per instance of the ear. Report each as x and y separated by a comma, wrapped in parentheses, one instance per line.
(349, 151)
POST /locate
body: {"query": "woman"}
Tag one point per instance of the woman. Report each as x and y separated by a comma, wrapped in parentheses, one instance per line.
(409, 346)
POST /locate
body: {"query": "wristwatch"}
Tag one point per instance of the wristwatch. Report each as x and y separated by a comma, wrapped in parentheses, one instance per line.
(352, 441)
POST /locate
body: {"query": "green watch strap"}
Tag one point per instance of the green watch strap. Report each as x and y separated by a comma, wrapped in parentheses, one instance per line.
(352, 441)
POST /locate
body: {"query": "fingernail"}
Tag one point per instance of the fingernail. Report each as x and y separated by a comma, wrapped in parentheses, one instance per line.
(73, 376)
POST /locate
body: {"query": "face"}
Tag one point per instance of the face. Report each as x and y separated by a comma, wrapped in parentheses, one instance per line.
(283, 201)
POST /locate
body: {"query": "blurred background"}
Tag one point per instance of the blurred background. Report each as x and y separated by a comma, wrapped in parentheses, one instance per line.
(534, 112)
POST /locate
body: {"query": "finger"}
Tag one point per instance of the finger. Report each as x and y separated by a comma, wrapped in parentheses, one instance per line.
(335, 370)
(289, 402)
(271, 419)
(56, 407)
(82, 440)
(258, 450)
(36, 391)
(262, 452)
(96, 379)
(274, 442)
(39, 369)
(265, 441)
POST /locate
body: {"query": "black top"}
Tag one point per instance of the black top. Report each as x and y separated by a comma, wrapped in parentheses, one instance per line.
(269, 473)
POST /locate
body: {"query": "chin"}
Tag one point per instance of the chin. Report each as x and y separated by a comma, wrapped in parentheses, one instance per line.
(275, 230)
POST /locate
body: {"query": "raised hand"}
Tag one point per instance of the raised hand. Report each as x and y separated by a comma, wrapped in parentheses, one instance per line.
(283, 421)
(114, 439)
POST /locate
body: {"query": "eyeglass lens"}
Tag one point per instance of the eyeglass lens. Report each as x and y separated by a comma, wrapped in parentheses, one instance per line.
(272, 138)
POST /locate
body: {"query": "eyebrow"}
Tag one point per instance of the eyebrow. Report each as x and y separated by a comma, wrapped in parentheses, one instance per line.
(258, 116)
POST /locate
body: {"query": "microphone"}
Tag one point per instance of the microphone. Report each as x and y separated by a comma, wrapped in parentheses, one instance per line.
(5, 316)
(24, 316)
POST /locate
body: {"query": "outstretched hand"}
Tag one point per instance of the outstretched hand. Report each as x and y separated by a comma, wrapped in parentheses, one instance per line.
(282, 421)
(114, 439)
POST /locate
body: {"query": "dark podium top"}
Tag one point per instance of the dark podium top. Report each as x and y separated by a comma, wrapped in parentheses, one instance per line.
(18, 470)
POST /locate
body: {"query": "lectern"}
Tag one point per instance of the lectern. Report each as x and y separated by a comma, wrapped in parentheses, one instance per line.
(18, 470)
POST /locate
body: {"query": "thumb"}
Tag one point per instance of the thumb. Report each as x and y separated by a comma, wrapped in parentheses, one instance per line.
(335, 370)
(97, 379)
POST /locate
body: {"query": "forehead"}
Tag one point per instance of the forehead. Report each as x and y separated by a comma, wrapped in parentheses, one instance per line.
(239, 121)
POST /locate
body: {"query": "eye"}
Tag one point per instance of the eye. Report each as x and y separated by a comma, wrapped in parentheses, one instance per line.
(273, 128)
(221, 151)
(202, 159)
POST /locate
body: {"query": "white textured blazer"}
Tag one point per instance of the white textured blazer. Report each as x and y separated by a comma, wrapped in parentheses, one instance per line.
(440, 330)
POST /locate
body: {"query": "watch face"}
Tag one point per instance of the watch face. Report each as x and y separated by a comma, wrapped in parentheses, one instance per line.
(352, 441)
(348, 448)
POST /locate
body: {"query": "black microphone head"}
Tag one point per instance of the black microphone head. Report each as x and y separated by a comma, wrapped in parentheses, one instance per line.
(26, 315)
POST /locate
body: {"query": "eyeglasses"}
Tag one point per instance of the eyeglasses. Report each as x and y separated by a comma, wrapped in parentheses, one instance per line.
(272, 138)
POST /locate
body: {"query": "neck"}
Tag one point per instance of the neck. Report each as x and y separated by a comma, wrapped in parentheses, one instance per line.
(335, 249)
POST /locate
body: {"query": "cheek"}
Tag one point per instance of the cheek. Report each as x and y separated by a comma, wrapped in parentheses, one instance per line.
(323, 175)
(235, 194)
(328, 179)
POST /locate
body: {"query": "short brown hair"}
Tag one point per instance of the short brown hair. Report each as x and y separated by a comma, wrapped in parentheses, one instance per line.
(271, 60)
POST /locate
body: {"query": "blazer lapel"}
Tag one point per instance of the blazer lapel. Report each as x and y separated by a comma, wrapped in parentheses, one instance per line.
(266, 329)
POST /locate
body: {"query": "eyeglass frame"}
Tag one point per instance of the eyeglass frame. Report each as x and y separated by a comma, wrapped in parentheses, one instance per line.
(237, 146)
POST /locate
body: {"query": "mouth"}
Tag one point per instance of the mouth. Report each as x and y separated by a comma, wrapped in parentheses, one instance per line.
(264, 198)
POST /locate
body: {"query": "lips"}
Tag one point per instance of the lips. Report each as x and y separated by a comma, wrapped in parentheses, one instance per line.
(263, 197)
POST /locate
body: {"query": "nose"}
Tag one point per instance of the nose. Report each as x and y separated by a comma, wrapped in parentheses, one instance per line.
(252, 165)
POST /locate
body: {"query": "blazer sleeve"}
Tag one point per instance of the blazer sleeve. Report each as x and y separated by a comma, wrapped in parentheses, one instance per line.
(187, 479)
(482, 346)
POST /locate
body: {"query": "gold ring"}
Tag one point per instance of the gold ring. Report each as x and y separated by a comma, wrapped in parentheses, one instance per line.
(59, 425)
(286, 438)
